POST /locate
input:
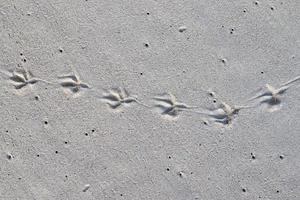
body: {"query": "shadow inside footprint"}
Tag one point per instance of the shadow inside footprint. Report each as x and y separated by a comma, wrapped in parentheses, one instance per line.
(272, 104)
(171, 111)
(271, 101)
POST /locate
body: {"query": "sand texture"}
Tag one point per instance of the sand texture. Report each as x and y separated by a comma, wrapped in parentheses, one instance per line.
(149, 99)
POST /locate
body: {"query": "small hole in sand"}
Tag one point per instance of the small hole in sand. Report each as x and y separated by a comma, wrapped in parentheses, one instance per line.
(141, 73)
(281, 157)
(45, 122)
(168, 169)
(148, 13)
(180, 174)
(9, 156)
(272, 8)
(56, 152)
(146, 45)
(244, 190)
(86, 134)
(37, 155)
(66, 142)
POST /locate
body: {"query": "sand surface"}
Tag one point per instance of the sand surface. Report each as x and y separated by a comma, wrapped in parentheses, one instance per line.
(149, 99)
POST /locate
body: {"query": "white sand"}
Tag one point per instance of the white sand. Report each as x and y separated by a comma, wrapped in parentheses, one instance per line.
(63, 142)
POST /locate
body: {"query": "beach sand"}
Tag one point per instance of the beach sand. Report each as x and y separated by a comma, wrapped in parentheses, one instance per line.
(149, 100)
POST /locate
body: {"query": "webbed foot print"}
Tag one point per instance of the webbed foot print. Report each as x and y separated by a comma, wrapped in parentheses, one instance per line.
(272, 97)
(168, 105)
(117, 97)
(72, 83)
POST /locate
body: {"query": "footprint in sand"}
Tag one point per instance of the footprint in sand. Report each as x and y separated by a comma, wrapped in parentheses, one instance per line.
(117, 97)
(223, 113)
(272, 97)
(169, 106)
(22, 78)
(72, 83)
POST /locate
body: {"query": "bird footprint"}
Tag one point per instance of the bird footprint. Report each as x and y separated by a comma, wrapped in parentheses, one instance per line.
(117, 97)
(223, 113)
(168, 105)
(22, 77)
(72, 82)
(272, 97)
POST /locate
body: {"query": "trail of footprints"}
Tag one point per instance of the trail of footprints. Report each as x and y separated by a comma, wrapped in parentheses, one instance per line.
(167, 104)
